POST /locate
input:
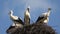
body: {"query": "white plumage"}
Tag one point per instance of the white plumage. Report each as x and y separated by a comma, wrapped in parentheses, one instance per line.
(27, 16)
(17, 21)
(47, 14)
(12, 16)
(44, 18)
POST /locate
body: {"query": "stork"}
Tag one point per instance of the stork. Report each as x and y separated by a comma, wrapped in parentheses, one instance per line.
(27, 16)
(44, 18)
(17, 21)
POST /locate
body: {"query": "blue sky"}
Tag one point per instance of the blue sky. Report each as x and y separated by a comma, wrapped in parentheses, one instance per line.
(37, 8)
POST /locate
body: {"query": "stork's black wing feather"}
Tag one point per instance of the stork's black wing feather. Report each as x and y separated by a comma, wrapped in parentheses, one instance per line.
(19, 21)
(39, 18)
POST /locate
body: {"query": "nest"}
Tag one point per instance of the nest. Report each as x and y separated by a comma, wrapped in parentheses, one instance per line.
(32, 29)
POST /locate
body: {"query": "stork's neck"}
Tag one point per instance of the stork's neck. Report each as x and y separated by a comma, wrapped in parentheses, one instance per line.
(27, 13)
(48, 13)
(28, 9)
(11, 14)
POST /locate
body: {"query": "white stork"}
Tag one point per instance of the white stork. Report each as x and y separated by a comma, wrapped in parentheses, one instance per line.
(44, 18)
(17, 21)
(27, 16)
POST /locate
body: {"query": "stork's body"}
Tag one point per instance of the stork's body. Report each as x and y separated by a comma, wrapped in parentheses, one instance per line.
(17, 23)
(16, 20)
(44, 18)
(27, 17)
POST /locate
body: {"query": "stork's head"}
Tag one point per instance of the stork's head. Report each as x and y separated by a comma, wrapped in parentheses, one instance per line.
(47, 13)
(11, 12)
(28, 8)
(49, 8)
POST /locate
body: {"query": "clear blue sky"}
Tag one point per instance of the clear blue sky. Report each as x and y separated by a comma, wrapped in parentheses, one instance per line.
(37, 8)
